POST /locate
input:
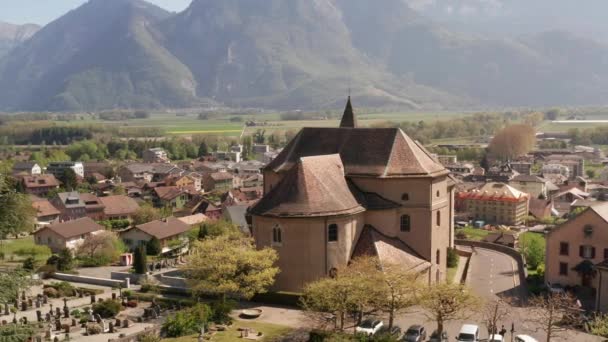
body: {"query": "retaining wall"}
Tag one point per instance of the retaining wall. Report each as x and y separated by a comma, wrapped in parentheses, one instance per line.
(88, 280)
(133, 277)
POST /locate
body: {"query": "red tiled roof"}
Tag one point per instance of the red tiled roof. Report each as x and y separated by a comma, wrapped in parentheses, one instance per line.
(162, 229)
(119, 205)
(40, 181)
(73, 228)
(44, 208)
(168, 192)
(314, 187)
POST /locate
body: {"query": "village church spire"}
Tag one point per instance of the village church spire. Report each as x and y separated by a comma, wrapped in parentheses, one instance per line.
(348, 119)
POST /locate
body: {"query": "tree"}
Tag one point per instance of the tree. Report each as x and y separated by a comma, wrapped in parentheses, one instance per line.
(203, 149)
(512, 142)
(146, 213)
(153, 246)
(554, 313)
(398, 290)
(333, 296)
(259, 137)
(140, 260)
(445, 302)
(100, 248)
(119, 190)
(12, 284)
(552, 114)
(532, 246)
(203, 232)
(230, 266)
(590, 173)
(494, 312)
(16, 211)
(69, 180)
(141, 114)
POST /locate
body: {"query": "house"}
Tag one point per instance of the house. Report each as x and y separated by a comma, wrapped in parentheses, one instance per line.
(93, 206)
(260, 149)
(200, 205)
(27, 167)
(253, 181)
(333, 189)
(70, 205)
(58, 168)
(541, 208)
(134, 172)
(155, 155)
(96, 168)
(66, 235)
(46, 213)
(574, 163)
(535, 186)
(523, 168)
(500, 173)
(447, 159)
(496, 203)
(170, 197)
(234, 156)
(462, 169)
(190, 180)
(118, 207)
(575, 247)
(218, 181)
(171, 232)
(39, 184)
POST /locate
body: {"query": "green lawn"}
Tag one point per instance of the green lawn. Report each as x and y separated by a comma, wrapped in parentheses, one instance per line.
(475, 234)
(11, 248)
(270, 331)
(451, 273)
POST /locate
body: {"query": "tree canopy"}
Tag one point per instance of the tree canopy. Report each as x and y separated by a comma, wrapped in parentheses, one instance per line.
(512, 142)
(16, 211)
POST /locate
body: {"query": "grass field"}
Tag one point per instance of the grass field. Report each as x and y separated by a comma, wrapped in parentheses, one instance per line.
(270, 332)
(475, 234)
(11, 249)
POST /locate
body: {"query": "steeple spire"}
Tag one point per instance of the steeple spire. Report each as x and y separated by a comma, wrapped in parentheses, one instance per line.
(348, 119)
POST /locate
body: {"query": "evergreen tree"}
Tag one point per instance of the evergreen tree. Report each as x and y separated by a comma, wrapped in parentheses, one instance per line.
(203, 149)
(203, 232)
(69, 180)
(140, 260)
(153, 247)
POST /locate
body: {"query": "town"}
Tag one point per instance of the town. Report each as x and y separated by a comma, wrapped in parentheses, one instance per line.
(314, 239)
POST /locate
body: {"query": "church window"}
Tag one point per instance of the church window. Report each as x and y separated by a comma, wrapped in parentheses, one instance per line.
(405, 223)
(332, 233)
(405, 197)
(277, 235)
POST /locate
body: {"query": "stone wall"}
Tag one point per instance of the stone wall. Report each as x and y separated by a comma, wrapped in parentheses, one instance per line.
(89, 280)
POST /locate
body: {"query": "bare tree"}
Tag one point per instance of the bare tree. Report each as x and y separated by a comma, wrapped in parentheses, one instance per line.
(494, 312)
(445, 302)
(554, 314)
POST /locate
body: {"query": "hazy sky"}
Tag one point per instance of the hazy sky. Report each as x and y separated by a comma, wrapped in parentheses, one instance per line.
(44, 11)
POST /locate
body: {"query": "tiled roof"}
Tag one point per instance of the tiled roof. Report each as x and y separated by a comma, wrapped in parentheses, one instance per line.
(74, 197)
(162, 229)
(168, 192)
(314, 187)
(40, 181)
(119, 205)
(495, 191)
(26, 165)
(219, 176)
(540, 208)
(74, 228)
(44, 208)
(379, 152)
(528, 178)
(194, 219)
(390, 251)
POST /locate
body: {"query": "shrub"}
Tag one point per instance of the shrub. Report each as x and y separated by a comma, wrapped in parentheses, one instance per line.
(64, 261)
(76, 313)
(187, 322)
(94, 329)
(33, 251)
(47, 270)
(221, 311)
(153, 247)
(64, 289)
(86, 261)
(51, 292)
(453, 258)
(132, 304)
(149, 284)
(148, 338)
(29, 264)
(461, 235)
(140, 262)
(107, 308)
(127, 293)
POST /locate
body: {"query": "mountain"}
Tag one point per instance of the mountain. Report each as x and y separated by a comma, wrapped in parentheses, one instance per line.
(293, 54)
(105, 54)
(12, 35)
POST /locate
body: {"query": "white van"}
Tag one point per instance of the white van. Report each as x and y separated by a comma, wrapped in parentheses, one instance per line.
(525, 338)
(468, 333)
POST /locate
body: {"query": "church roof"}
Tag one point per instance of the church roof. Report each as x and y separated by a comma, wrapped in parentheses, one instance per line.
(389, 250)
(314, 186)
(377, 152)
(348, 118)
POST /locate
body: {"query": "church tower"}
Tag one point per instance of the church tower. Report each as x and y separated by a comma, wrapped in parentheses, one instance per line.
(348, 119)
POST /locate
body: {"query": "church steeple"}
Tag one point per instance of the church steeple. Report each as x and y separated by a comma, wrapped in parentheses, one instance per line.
(348, 119)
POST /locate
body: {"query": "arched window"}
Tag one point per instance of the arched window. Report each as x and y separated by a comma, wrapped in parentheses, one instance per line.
(405, 223)
(438, 214)
(405, 197)
(277, 235)
(438, 257)
(332, 232)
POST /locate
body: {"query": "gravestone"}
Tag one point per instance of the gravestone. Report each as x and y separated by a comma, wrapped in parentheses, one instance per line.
(4, 322)
(111, 327)
(65, 302)
(51, 309)
(24, 319)
(73, 322)
(113, 296)
(66, 312)
(39, 315)
(58, 312)
(30, 302)
(38, 303)
(80, 293)
(45, 299)
(93, 299)
(38, 338)
(48, 317)
(57, 325)
(6, 312)
(66, 328)
(22, 295)
(47, 333)
(56, 339)
(125, 323)
(23, 306)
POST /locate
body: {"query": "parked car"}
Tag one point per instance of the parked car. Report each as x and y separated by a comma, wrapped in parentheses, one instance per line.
(415, 333)
(495, 338)
(369, 327)
(468, 333)
(394, 331)
(436, 337)
(525, 338)
(555, 288)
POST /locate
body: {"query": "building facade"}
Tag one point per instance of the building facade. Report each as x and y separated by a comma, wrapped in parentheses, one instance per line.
(496, 203)
(155, 155)
(336, 193)
(58, 168)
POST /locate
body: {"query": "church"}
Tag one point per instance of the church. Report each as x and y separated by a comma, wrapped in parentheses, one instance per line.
(337, 193)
